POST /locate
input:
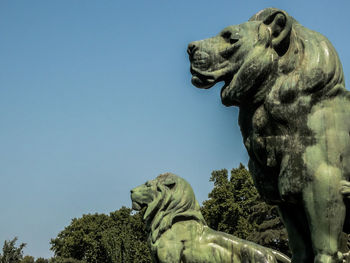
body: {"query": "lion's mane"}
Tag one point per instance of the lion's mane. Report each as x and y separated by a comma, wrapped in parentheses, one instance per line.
(174, 201)
(308, 72)
(287, 83)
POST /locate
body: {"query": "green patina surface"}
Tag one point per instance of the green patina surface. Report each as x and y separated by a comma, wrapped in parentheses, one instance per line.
(178, 232)
(294, 116)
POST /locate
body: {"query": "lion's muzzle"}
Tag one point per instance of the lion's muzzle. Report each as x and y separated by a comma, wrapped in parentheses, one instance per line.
(198, 58)
(191, 48)
(200, 63)
(136, 204)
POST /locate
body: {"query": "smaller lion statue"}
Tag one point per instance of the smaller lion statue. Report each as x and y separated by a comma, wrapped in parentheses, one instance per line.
(178, 232)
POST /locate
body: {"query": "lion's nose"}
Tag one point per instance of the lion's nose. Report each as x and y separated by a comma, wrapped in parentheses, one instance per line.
(131, 191)
(191, 48)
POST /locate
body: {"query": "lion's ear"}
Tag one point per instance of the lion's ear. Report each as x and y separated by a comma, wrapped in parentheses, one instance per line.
(170, 183)
(280, 26)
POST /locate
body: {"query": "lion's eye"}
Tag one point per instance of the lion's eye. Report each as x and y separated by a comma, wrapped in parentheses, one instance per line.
(226, 35)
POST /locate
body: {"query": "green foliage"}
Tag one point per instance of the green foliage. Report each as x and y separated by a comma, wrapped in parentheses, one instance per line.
(41, 260)
(82, 239)
(65, 260)
(127, 242)
(230, 202)
(28, 259)
(119, 237)
(270, 229)
(11, 253)
(235, 207)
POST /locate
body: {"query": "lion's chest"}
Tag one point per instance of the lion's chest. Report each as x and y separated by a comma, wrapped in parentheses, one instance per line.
(268, 149)
(263, 138)
(276, 154)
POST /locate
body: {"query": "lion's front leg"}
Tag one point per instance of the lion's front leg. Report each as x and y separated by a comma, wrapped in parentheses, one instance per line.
(325, 210)
(294, 219)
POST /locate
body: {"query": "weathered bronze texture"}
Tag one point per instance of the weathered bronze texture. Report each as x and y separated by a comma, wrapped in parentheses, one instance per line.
(294, 117)
(178, 232)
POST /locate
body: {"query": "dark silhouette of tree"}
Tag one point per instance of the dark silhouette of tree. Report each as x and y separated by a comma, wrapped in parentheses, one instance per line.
(11, 253)
(41, 260)
(28, 259)
(118, 237)
(65, 260)
(235, 207)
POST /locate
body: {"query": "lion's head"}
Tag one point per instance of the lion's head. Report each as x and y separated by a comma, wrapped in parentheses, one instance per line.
(270, 59)
(167, 200)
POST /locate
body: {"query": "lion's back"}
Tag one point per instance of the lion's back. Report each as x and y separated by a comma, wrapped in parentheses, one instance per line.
(227, 248)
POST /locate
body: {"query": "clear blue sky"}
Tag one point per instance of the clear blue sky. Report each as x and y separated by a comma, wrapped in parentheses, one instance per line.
(96, 98)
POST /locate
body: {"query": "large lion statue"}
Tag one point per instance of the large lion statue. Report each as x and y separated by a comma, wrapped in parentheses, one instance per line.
(178, 232)
(294, 114)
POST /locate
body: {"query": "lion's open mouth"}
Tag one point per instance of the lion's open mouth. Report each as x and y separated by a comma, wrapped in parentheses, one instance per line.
(207, 79)
(200, 80)
(138, 206)
(202, 83)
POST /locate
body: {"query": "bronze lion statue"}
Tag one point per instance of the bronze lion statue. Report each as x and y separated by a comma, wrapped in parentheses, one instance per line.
(294, 115)
(178, 232)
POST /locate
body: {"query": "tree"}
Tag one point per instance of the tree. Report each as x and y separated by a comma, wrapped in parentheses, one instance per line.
(118, 237)
(81, 240)
(11, 253)
(230, 202)
(235, 207)
(270, 230)
(65, 260)
(41, 260)
(28, 259)
(127, 242)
